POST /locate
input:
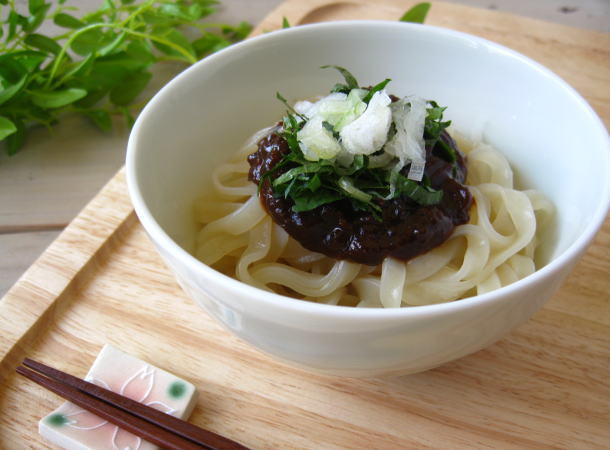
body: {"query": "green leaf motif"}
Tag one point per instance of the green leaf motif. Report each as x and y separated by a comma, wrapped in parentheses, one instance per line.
(176, 390)
(57, 420)
(57, 99)
(416, 14)
(7, 127)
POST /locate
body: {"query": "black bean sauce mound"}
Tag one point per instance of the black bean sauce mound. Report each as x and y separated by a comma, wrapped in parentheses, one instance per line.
(406, 230)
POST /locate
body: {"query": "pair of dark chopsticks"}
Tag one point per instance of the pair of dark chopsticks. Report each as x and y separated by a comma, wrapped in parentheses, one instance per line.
(148, 423)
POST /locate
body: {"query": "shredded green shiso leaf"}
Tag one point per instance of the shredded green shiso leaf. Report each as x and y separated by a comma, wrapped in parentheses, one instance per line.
(363, 181)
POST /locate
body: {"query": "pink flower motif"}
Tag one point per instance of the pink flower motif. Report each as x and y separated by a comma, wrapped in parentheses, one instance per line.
(138, 387)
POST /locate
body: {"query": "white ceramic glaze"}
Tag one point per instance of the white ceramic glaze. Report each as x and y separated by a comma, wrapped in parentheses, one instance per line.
(549, 133)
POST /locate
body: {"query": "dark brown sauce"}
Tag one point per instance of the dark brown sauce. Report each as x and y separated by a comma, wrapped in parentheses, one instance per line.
(406, 230)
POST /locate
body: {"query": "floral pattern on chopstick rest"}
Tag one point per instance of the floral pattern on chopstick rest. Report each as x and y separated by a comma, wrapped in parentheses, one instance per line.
(71, 427)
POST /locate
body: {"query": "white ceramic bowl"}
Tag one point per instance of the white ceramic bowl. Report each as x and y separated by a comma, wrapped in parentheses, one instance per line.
(551, 136)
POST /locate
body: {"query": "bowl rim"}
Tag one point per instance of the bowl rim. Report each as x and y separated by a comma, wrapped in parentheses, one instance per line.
(278, 301)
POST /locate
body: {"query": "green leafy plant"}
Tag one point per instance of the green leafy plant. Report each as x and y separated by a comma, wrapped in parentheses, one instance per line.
(101, 63)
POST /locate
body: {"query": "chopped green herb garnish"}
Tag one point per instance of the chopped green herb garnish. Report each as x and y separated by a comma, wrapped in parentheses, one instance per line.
(350, 80)
(376, 88)
(311, 180)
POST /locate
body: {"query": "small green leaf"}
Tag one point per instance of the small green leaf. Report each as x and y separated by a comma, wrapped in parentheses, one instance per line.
(174, 11)
(100, 118)
(14, 21)
(29, 59)
(129, 119)
(314, 183)
(10, 91)
(177, 38)
(349, 78)
(36, 5)
(108, 72)
(15, 140)
(305, 202)
(416, 14)
(109, 4)
(127, 91)
(415, 191)
(378, 87)
(57, 99)
(94, 17)
(81, 67)
(140, 51)
(92, 98)
(90, 41)
(195, 11)
(112, 46)
(42, 42)
(292, 173)
(11, 69)
(237, 33)
(209, 43)
(35, 20)
(285, 23)
(67, 21)
(7, 127)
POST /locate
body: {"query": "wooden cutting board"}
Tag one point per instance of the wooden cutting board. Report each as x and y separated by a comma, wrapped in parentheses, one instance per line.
(547, 384)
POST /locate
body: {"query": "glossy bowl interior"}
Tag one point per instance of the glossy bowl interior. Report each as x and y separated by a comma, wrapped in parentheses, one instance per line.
(551, 136)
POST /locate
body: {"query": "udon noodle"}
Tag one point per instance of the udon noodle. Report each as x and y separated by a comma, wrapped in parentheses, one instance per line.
(495, 248)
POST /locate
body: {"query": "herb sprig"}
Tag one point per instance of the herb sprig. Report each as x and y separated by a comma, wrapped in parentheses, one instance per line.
(101, 63)
(310, 184)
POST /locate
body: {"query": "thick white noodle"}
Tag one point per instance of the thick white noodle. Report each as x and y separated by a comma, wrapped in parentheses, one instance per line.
(494, 249)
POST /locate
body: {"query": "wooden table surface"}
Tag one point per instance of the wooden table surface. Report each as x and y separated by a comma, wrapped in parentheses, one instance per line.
(43, 187)
(544, 386)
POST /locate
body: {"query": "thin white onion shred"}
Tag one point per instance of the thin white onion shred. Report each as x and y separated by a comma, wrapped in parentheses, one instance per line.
(369, 132)
(409, 117)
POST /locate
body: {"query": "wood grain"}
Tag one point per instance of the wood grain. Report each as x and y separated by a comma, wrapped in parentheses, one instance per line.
(19, 251)
(546, 385)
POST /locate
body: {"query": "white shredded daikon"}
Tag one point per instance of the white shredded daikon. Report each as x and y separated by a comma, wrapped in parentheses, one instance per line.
(363, 130)
(409, 117)
(369, 132)
(316, 141)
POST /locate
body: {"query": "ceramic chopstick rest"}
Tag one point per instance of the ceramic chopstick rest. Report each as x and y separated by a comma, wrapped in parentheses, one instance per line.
(72, 427)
